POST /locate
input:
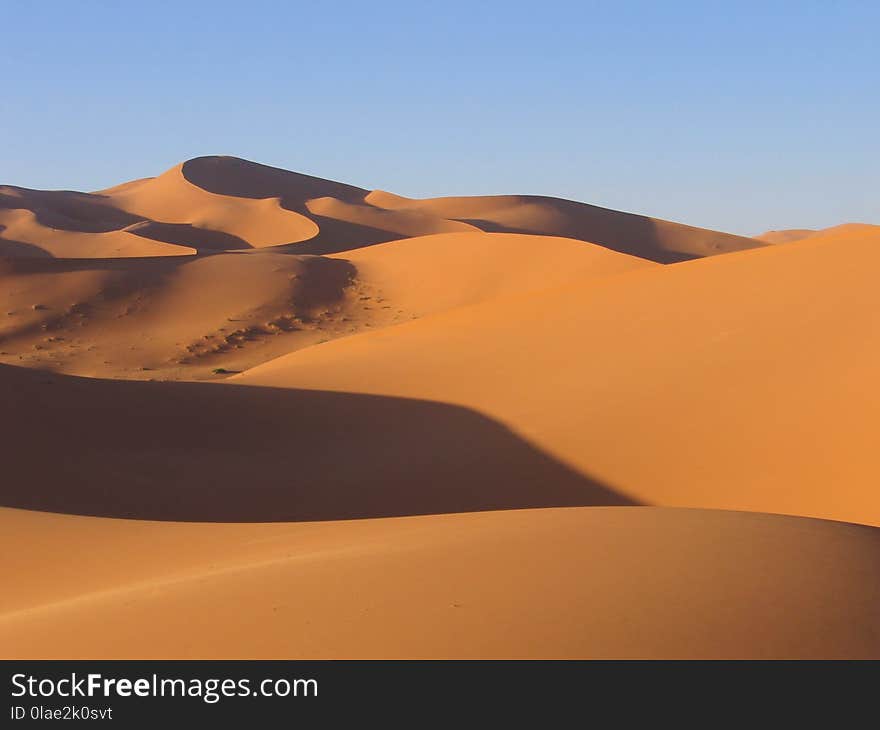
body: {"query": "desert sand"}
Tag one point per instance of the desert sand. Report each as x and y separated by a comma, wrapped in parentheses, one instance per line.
(255, 413)
(594, 582)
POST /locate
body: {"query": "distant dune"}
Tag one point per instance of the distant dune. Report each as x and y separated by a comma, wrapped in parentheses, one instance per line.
(255, 413)
(847, 231)
(224, 203)
(795, 234)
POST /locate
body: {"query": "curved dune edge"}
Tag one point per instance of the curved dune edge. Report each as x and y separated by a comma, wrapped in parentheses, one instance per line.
(23, 236)
(172, 198)
(651, 238)
(554, 583)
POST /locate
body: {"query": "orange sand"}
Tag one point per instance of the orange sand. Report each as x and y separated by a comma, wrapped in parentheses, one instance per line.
(436, 428)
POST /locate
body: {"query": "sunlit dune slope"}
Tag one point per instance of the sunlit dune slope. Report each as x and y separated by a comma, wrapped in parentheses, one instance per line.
(555, 583)
(435, 273)
(740, 382)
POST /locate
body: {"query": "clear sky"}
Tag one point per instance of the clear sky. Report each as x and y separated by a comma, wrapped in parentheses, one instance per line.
(741, 116)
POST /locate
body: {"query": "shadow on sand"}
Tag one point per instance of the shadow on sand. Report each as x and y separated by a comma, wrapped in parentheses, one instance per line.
(232, 453)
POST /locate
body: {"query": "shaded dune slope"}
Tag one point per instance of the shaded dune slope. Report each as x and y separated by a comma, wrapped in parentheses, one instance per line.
(205, 452)
(167, 316)
(638, 235)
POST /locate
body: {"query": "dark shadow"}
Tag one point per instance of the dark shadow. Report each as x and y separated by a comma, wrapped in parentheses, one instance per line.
(232, 453)
(70, 211)
(185, 234)
(244, 179)
(657, 240)
(322, 283)
(134, 264)
(89, 213)
(337, 236)
(20, 249)
(634, 247)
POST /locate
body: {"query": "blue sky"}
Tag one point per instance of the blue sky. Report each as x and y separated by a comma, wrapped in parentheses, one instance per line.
(740, 116)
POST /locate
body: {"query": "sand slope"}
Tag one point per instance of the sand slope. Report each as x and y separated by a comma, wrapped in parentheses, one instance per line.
(738, 382)
(557, 583)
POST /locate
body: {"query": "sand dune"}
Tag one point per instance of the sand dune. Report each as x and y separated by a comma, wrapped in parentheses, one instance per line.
(225, 203)
(736, 382)
(844, 232)
(170, 317)
(558, 583)
(794, 234)
(40, 225)
(183, 318)
(433, 274)
(637, 235)
(848, 233)
(449, 427)
(172, 198)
